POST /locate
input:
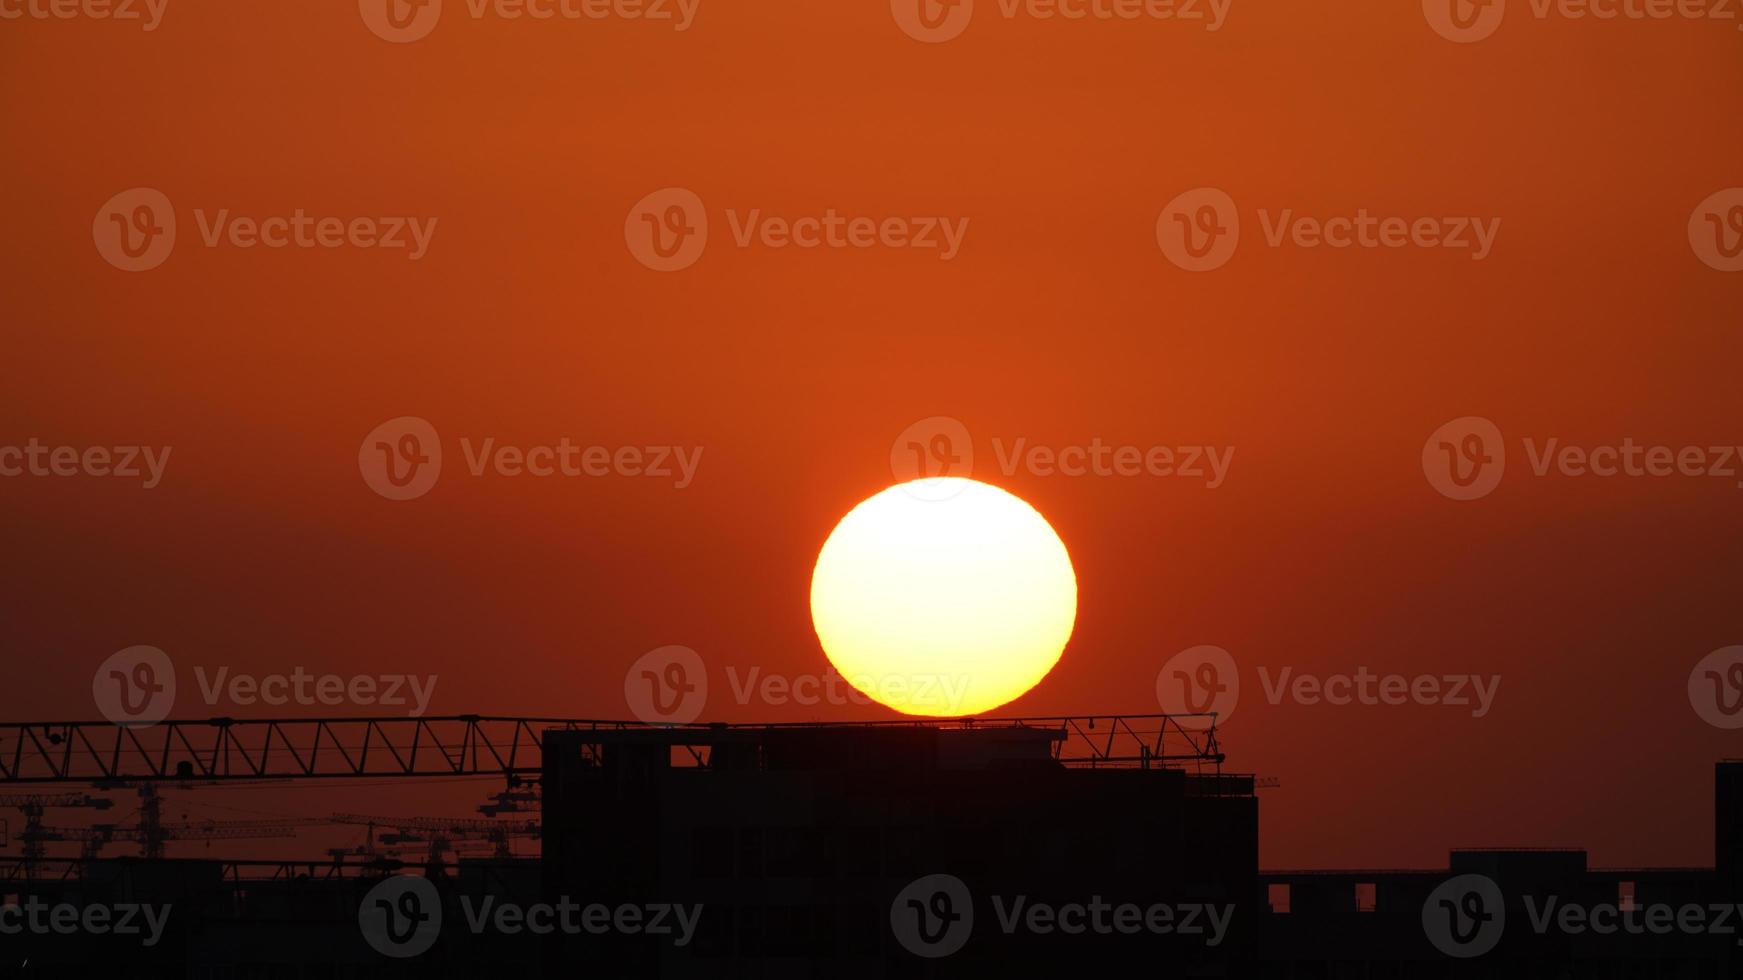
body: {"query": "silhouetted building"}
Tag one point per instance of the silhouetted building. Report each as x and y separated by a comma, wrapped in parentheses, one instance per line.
(1364, 924)
(901, 850)
(798, 841)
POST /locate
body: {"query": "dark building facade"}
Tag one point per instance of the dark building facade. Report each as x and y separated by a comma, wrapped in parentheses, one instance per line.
(800, 842)
(896, 851)
(1513, 913)
(1545, 915)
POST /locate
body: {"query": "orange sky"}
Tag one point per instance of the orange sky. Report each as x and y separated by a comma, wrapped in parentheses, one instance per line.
(1059, 321)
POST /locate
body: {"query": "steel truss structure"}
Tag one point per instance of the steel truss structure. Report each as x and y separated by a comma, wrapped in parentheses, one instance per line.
(231, 749)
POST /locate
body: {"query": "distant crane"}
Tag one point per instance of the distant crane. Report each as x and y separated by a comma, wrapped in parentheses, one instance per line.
(94, 838)
(520, 797)
(32, 805)
(152, 833)
(441, 834)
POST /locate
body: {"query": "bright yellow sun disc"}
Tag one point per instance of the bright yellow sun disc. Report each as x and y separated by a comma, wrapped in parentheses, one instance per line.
(943, 597)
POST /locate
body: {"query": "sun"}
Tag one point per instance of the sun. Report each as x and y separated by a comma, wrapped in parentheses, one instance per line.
(943, 597)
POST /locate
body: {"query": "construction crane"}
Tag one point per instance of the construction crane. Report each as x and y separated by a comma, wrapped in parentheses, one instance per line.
(94, 838)
(148, 831)
(520, 797)
(226, 751)
(391, 850)
(230, 749)
(33, 805)
(442, 834)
